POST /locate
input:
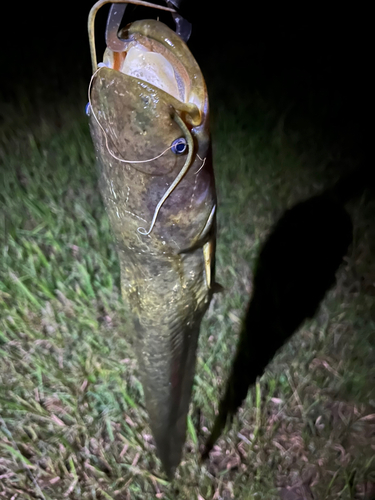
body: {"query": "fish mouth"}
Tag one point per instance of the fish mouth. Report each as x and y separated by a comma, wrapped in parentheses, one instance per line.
(156, 55)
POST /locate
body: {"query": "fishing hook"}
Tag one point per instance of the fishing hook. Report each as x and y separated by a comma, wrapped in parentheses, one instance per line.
(94, 11)
(183, 27)
(116, 13)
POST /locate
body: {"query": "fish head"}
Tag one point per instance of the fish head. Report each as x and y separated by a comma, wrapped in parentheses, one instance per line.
(135, 96)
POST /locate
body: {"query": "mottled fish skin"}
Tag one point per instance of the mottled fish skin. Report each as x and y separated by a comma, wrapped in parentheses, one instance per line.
(164, 274)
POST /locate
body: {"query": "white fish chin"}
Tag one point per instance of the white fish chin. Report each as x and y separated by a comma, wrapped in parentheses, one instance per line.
(152, 68)
(159, 64)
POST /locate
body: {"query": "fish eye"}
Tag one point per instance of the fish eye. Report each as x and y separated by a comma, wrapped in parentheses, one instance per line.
(88, 109)
(179, 146)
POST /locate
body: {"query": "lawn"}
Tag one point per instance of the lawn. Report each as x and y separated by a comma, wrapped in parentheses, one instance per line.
(72, 420)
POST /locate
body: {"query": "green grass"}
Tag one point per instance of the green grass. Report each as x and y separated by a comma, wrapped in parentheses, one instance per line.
(73, 424)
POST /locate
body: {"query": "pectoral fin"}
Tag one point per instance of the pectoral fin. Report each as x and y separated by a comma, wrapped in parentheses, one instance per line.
(205, 234)
(208, 255)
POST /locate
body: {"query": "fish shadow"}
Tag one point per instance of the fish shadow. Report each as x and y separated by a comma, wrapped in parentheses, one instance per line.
(296, 266)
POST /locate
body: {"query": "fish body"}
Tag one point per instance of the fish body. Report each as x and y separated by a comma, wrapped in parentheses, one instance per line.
(162, 212)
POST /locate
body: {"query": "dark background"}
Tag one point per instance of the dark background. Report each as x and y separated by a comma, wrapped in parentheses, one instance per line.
(316, 59)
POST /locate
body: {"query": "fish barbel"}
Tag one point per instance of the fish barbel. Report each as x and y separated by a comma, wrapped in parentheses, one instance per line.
(150, 127)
